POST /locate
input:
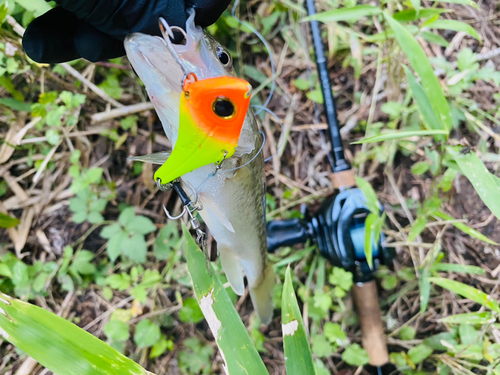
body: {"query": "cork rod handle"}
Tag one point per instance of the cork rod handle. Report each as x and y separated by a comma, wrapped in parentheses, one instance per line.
(366, 300)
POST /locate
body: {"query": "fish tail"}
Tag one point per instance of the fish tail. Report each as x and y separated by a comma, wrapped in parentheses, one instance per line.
(261, 294)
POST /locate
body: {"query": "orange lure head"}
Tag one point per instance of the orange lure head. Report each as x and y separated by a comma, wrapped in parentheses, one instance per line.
(211, 115)
(218, 106)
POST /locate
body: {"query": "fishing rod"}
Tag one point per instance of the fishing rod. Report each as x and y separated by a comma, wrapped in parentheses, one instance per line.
(338, 227)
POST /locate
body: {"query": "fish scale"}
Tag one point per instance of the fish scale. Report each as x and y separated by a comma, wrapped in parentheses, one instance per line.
(233, 200)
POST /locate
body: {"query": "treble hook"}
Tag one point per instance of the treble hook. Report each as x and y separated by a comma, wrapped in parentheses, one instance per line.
(189, 205)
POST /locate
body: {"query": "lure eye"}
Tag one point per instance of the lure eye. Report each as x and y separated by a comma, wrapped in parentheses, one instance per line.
(224, 57)
(223, 108)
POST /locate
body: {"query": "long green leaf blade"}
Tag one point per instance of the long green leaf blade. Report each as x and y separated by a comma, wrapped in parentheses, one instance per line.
(483, 181)
(460, 268)
(298, 358)
(387, 136)
(420, 63)
(467, 291)
(58, 344)
(345, 14)
(7, 221)
(455, 26)
(464, 2)
(484, 317)
(464, 228)
(423, 102)
(232, 338)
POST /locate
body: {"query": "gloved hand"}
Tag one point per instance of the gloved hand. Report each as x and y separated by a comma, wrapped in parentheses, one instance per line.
(95, 29)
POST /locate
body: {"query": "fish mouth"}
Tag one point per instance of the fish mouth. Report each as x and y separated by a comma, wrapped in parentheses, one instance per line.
(195, 52)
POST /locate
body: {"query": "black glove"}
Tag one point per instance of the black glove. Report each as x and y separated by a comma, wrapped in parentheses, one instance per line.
(95, 29)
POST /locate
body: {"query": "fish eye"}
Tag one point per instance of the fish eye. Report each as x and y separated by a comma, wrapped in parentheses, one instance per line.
(224, 57)
(223, 108)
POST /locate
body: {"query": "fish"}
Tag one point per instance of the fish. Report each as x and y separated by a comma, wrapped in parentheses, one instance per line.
(233, 199)
(212, 112)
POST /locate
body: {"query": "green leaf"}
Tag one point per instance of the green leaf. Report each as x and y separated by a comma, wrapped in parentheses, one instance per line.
(190, 312)
(117, 330)
(37, 7)
(7, 221)
(111, 86)
(408, 15)
(455, 26)
(345, 14)
(6, 82)
(59, 345)
(301, 84)
(419, 168)
(461, 268)
(161, 347)
(436, 341)
(390, 135)
(316, 96)
(464, 2)
(370, 222)
(298, 358)
(484, 317)
(468, 335)
(126, 216)
(407, 333)
(134, 247)
(421, 65)
(230, 334)
(166, 241)
(341, 277)
(424, 287)
(418, 353)
(195, 357)
(417, 227)
(483, 181)
(467, 291)
(119, 282)
(355, 355)
(389, 282)
(464, 228)
(82, 262)
(370, 195)
(424, 105)
(5, 271)
(95, 217)
(140, 225)
(111, 231)
(434, 38)
(146, 333)
(15, 104)
(321, 347)
(334, 333)
(94, 175)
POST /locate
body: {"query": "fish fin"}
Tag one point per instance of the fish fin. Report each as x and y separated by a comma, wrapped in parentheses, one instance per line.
(159, 158)
(232, 268)
(217, 211)
(261, 295)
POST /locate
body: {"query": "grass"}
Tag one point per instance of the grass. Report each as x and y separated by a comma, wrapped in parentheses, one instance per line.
(415, 131)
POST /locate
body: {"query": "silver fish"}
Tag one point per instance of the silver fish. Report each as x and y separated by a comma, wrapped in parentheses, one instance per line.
(233, 200)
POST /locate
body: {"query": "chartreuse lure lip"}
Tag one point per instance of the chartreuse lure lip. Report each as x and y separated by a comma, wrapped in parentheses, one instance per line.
(211, 115)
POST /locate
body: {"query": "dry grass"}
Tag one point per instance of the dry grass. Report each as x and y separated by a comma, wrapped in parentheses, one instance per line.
(39, 197)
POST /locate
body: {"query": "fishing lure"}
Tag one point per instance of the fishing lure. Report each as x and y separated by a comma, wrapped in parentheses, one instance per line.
(211, 115)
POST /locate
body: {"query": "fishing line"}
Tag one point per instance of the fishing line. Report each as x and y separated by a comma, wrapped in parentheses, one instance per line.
(281, 125)
(268, 48)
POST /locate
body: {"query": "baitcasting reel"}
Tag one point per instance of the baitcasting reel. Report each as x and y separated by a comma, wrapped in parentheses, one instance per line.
(338, 228)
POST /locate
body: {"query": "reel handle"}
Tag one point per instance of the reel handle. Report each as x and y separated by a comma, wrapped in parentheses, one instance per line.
(366, 300)
(287, 233)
